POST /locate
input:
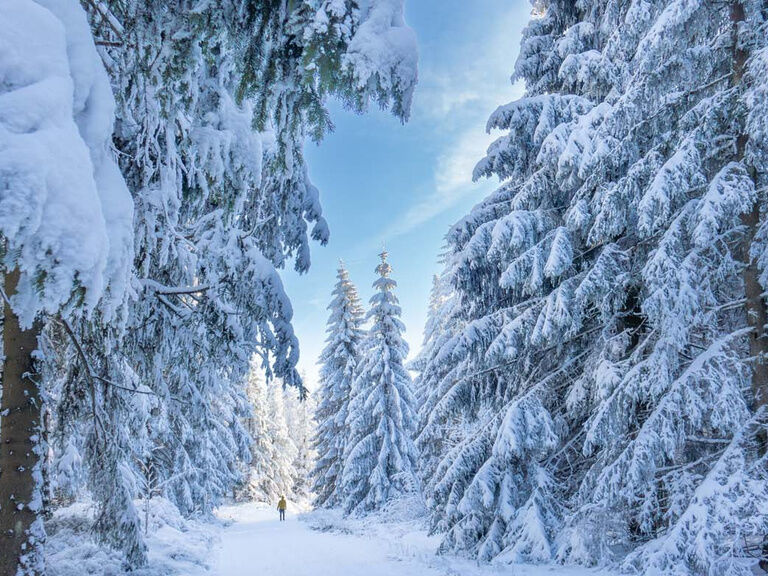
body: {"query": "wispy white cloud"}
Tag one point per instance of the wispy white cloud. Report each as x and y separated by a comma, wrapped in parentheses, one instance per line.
(474, 77)
(456, 97)
(446, 94)
(452, 181)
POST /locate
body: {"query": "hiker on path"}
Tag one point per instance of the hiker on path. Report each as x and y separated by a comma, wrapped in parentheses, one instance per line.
(281, 506)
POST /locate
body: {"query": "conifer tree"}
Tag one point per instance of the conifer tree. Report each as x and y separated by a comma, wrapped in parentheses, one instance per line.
(605, 366)
(439, 426)
(65, 240)
(218, 208)
(380, 459)
(339, 361)
(434, 329)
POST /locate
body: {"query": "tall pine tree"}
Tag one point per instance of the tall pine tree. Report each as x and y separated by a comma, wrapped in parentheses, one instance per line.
(608, 362)
(380, 460)
(339, 361)
(66, 243)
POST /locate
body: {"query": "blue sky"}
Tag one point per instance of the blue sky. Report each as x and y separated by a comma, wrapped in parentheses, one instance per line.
(384, 183)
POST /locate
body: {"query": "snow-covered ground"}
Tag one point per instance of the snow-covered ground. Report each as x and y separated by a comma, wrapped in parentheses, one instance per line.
(249, 540)
(322, 543)
(176, 546)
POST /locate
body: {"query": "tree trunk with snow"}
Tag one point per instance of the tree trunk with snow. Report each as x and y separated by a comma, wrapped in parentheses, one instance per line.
(19, 454)
(757, 316)
(755, 306)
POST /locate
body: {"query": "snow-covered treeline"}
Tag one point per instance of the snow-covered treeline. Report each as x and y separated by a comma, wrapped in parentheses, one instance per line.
(365, 415)
(281, 427)
(153, 185)
(594, 380)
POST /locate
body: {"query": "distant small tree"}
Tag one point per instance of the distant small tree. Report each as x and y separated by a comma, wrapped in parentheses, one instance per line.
(284, 447)
(298, 415)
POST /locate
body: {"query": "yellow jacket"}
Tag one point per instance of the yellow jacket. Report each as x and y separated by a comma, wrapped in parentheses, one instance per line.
(282, 505)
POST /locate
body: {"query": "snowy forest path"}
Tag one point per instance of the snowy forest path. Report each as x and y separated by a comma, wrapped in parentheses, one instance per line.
(257, 543)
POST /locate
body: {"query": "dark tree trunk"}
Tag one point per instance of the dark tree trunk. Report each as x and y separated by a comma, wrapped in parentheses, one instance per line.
(20, 433)
(755, 307)
(757, 316)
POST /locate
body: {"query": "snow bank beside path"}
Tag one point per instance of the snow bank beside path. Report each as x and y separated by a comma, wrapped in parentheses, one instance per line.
(408, 541)
(177, 546)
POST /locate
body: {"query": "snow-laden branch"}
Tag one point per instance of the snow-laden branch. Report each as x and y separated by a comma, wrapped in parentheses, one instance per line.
(92, 376)
(163, 290)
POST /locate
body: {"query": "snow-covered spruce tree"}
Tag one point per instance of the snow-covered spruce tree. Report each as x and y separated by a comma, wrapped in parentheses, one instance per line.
(65, 234)
(220, 207)
(606, 299)
(435, 328)
(338, 361)
(242, 199)
(209, 292)
(380, 459)
(431, 331)
(439, 426)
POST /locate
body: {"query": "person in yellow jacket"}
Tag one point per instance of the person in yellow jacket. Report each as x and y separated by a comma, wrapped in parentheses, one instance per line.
(281, 506)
